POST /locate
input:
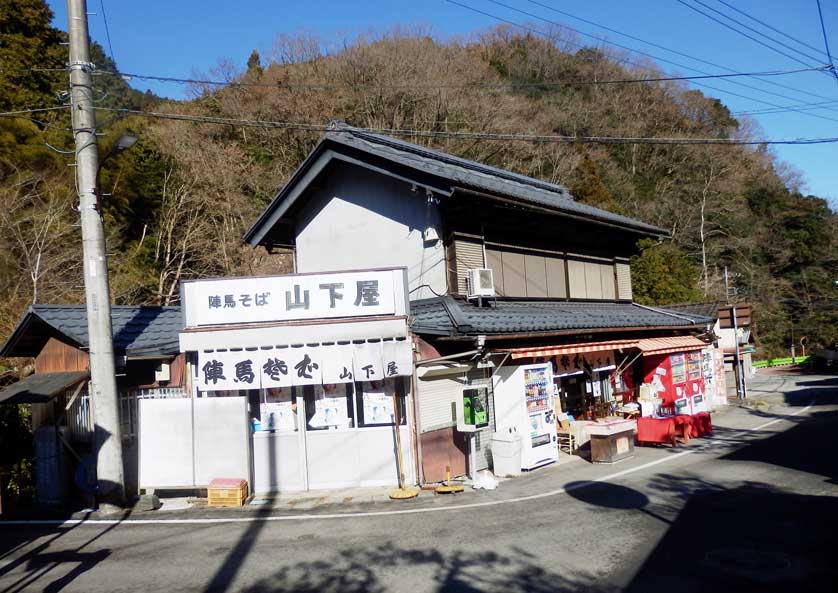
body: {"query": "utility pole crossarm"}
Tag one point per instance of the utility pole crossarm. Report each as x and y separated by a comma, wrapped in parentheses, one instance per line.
(102, 389)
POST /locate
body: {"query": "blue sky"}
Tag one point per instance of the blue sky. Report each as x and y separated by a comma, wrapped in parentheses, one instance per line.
(186, 37)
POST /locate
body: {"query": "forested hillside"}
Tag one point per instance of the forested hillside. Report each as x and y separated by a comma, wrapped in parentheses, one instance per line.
(179, 201)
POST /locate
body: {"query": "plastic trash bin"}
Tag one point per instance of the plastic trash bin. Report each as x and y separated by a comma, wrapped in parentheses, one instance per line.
(506, 453)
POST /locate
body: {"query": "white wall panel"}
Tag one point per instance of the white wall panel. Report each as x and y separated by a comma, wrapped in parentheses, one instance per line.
(222, 439)
(165, 438)
(363, 220)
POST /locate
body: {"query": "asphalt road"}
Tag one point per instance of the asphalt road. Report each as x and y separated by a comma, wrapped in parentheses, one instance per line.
(755, 508)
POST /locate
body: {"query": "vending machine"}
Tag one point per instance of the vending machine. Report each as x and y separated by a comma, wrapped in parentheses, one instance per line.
(677, 380)
(524, 404)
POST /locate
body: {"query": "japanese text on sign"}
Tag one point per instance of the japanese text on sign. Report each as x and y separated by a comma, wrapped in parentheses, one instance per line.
(282, 298)
(588, 362)
(228, 370)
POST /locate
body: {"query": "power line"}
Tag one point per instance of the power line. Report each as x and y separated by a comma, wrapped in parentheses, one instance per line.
(704, 85)
(35, 110)
(107, 30)
(30, 70)
(732, 28)
(826, 41)
(327, 85)
(679, 53)
(601, 40)
(652, 56)
(489, 136)
(804, 107)
(749, 28)
(764, 24)
(26, 114)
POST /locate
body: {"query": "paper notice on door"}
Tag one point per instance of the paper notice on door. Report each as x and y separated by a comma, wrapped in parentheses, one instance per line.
(330, 406)
(378, 405)
(279, 416)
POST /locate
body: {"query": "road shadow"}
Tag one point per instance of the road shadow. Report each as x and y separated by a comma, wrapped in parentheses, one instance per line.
(363, 570)
(822, 392)
(749, 538)
(826, 382)
(40, 563)
(808, 446)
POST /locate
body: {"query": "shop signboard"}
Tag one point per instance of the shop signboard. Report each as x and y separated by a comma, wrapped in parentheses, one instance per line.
(569, 364)
(232, 301)
(264, 368)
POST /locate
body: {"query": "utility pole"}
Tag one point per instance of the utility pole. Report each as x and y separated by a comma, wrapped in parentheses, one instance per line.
(727, 287)
(741, 388)
(102, 388)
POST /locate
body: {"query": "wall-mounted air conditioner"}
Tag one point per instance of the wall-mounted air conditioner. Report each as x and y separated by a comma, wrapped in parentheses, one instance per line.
(481, 283)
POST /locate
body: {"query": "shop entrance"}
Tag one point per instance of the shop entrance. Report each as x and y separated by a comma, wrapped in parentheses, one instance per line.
(329, 436)
(587, 396)
(350, 436)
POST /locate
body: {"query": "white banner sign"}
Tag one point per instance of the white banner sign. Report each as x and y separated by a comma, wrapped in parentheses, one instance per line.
(338, 366)
(397, 358)
(367, 362)
(276, 367)
(307, 365)
(286, 298)
(228, 370)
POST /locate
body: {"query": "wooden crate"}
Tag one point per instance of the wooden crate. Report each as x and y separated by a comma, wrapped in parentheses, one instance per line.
(226, 492)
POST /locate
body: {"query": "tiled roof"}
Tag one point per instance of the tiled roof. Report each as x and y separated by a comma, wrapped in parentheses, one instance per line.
(709, 309)
(450, 316)
(454, 171)
(40, 387)
(137, 330)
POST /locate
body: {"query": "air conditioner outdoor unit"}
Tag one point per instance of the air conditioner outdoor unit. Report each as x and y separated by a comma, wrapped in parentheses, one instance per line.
(481, 283)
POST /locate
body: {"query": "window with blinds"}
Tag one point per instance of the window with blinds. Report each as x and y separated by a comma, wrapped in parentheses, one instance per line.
(623, 273)
(520, 273)
(465, 253)
(525, 274)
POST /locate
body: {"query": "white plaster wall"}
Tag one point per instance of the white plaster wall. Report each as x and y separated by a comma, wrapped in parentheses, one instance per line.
(727, 337)
(360, 219)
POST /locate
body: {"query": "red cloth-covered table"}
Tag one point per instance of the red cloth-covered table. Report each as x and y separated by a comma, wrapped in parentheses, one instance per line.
(656, 430)
(685, 425)
(702, 423)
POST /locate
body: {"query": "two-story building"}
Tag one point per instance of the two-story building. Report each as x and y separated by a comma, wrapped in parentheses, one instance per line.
(560, 274)
(477, 272)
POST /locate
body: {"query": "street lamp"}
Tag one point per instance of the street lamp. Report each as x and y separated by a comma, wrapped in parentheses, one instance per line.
(122, 143)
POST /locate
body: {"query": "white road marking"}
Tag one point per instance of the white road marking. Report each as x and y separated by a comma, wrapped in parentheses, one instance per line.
(310, 517)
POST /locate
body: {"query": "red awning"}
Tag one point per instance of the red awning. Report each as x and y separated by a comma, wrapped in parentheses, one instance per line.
(669, 345)
(562, 349)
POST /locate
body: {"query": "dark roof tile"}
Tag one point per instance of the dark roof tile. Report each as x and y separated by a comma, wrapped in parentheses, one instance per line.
(453, 171)
(137, 330)
(450, 316)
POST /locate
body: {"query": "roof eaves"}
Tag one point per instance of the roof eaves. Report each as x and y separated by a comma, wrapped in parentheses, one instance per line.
(572, 331)
(19, 330)
(312, 167)
(273, 212)
(623, 223)
(494, 175)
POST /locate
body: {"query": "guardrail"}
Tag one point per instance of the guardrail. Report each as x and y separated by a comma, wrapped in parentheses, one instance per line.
(778, 362)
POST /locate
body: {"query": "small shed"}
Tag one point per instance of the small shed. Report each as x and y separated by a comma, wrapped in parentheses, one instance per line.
(147, 361)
